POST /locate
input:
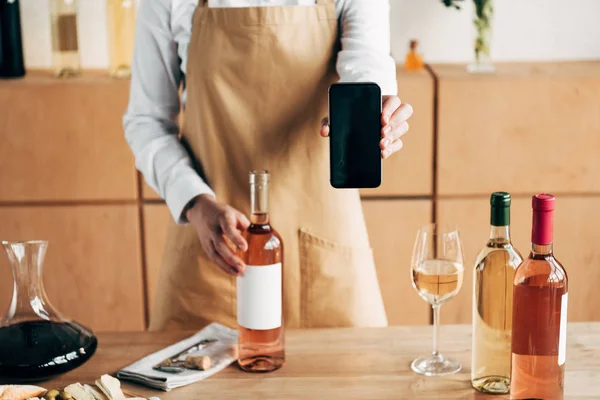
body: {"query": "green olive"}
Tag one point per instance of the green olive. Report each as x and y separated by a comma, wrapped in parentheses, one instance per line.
(65, 396)
(52, 394)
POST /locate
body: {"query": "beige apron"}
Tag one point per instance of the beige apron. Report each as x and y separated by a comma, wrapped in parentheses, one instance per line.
(257, 81)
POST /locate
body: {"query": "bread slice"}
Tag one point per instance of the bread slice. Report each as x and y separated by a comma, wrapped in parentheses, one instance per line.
(20, 392)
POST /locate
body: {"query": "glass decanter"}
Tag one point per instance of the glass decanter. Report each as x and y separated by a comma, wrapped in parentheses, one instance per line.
(36, 342)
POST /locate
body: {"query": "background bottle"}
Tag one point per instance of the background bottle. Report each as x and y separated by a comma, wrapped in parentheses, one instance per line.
(539, 313)
(65, 48)
(260, 289)
(121, 31)
(493, 301)
(11, 47)
(413, 61)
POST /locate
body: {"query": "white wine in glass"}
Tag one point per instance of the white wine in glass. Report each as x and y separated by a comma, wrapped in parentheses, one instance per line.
(437, 273)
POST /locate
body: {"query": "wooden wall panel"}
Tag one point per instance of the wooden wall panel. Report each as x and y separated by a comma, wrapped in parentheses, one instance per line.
(393, 226)
(63, 140)
(410, 171)
(156, 219)
(526, 128)
(92, 271)
(148, 193)
(576, 237)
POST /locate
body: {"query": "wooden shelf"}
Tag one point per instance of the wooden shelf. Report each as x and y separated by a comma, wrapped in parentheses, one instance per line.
(568, 69)
(45, 76)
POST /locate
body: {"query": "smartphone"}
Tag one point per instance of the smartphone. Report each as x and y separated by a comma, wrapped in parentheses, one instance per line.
(354, 135)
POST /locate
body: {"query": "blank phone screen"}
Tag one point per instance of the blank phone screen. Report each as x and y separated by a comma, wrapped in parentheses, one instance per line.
(355, 133)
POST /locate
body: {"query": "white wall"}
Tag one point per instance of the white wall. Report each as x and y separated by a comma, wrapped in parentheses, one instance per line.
(523, 30)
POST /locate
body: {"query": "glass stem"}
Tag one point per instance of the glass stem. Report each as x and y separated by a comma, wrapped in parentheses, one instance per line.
(436, 331)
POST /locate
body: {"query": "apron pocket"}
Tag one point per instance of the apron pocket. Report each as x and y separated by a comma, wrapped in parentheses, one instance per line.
(339, 286)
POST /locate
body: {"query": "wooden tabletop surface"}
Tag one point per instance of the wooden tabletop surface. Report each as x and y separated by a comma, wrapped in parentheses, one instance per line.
(345, 364)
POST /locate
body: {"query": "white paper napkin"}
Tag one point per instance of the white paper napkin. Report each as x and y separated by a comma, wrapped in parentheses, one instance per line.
(222, 353)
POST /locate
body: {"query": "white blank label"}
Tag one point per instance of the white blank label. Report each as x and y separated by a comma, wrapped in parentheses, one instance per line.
(259, 297)
(562, 339)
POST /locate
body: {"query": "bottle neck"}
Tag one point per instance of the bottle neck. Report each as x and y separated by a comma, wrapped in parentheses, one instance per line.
(541, 249)
(259, 203)
(500, 218)
(500, 234)
(542, 231)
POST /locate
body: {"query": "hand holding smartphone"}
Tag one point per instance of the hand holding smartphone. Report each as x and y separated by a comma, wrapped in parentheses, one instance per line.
(355, 133)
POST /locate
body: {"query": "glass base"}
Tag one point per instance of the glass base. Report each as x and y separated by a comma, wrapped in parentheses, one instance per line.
(120, 72)
(435, 366)
(492, 384)
(480, 68)
(67, 72)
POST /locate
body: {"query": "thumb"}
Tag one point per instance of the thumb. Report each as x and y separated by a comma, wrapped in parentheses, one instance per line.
(242, 221)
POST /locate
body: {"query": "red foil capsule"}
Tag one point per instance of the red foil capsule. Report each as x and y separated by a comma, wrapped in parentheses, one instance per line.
(543, 219)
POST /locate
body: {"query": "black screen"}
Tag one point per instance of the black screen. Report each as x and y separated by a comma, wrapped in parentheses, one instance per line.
(355, 133)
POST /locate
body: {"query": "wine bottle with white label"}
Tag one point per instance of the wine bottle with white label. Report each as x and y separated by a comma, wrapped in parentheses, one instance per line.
(539, 328)
(260, 289)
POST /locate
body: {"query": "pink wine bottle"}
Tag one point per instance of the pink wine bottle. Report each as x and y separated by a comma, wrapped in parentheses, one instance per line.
(539, 314)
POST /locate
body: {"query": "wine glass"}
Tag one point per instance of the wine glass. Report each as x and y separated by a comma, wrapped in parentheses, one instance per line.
(437, 275)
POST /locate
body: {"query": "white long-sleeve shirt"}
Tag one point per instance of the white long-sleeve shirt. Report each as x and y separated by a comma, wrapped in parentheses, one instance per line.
(159, 66)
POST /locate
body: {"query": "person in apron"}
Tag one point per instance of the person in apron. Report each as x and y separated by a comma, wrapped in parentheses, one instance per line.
(256, 82)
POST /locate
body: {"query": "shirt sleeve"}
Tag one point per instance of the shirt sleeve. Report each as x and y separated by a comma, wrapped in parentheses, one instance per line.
(150, 121)
(365, 54)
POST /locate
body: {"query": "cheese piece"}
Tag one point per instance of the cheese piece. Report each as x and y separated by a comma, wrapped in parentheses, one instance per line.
(78, 392)
(103, 390)
(20, 392)
(95, 393)
(112, 387)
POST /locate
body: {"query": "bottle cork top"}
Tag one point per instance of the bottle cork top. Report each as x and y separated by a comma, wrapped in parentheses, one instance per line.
(543, 202)
(500, 199)
(500, 211)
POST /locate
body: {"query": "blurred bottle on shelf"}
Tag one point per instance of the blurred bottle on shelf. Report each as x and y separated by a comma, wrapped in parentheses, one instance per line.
(121, 16)
(65, 48)
(414, 61)
(11, 48)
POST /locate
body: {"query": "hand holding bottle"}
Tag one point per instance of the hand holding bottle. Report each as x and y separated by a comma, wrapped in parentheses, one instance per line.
(213, 222)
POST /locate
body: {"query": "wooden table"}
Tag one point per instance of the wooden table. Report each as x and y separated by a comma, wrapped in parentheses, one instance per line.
(345, 364)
